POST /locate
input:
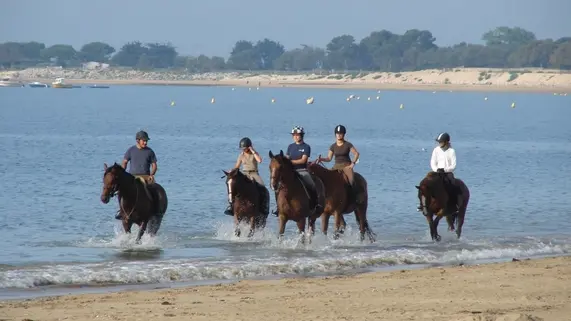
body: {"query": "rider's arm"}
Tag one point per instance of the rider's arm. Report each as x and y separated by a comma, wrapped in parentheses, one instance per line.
(238, 161)
(302, 160)
(153, 163)
(452, 156)
(256, 155)
(126, 158)
(355, 154)
(328, 158)
(433, 162)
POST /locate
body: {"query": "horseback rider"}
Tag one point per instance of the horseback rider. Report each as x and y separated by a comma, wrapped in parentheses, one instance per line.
(341, 150)
(249, 159)
(299, 152)
(142, 163)
(443, 161)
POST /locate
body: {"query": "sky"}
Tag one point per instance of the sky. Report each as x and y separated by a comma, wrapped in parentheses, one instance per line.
(212, 27)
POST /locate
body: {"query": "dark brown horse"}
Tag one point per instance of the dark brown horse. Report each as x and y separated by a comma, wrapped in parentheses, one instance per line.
(291, 197)
(339, 199)
(247, 201)
(136, 206)
(433, 197)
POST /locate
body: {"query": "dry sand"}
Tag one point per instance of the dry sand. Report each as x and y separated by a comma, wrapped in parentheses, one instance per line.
(457, 79)
(526, 290)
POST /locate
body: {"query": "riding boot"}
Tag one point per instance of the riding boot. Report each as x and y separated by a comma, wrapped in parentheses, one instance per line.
(118, 215)
(229, 210)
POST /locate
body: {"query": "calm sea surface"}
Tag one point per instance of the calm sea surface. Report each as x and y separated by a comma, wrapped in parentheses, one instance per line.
(56, 234)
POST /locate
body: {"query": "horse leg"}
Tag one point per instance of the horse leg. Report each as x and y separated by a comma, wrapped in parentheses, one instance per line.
(142, 229)
(282, 225)
(433, 233)
(154, 224)
(324, 222)
(237, 231)
(337, 227)
(127, 226)
(301, 229)
(460, 221)
(361, 216)
(450, 220)
(252, 226)
(436, 221)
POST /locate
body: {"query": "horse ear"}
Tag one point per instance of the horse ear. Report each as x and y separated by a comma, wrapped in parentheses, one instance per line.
(418, 187)
(281, 153)
(225, 172)
(105, 166)
(271, 154)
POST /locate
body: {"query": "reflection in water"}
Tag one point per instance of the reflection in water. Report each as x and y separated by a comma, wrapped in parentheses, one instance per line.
(139, 254)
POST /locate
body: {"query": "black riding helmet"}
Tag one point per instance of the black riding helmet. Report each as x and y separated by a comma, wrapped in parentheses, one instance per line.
(245, 142)
(340, 129)
(142, 135)
(443, 137)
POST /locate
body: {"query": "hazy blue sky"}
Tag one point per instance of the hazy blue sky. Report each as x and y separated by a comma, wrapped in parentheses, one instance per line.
(213, 26)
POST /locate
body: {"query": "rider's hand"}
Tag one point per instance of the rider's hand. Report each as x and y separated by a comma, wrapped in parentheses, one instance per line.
(351, 166)
(151, 178)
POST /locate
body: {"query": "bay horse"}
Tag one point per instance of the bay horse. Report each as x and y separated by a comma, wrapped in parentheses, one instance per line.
(291, 197)
(136, 206)
(433, 197)
(247, 201)
(339, 199)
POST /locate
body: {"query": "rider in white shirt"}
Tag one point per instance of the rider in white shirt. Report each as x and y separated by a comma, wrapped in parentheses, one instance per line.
(443, 160)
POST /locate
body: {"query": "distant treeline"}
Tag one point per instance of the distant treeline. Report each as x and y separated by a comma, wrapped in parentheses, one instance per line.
(380, 51)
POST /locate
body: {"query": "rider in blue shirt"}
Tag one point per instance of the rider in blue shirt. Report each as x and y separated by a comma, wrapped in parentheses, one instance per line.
(299, 152)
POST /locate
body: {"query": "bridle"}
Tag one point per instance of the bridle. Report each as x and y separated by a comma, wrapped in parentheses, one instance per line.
(114, 190)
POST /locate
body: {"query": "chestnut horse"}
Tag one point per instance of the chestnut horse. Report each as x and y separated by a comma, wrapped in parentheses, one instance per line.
(339, 199)
(247, 201)
(433, 197)
(135, 205)
(291, 196)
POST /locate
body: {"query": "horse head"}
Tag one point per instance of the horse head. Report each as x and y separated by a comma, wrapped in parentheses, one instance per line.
(430, 189)
(111, 177)
(278, 164)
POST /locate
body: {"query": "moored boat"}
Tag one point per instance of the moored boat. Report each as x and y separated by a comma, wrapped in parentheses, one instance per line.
(36, 84)
(8, 82)
(59, 83)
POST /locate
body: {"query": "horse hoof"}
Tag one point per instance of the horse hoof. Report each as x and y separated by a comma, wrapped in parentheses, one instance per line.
(336, 236)
(437, 238)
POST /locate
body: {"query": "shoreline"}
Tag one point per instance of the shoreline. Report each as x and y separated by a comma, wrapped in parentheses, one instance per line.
(503, 291)
(456, 79)
(315, 84)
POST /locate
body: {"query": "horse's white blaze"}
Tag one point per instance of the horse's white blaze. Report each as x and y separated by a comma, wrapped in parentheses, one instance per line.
(424, 206)
(229, 190)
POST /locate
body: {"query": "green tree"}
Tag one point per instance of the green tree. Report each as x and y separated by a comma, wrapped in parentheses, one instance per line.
(96, 51)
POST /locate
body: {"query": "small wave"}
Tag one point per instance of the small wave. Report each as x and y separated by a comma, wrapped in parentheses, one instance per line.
(248, 266)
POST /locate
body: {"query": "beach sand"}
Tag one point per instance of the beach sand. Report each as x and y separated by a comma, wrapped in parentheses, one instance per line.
(525, 290)
(457, 79)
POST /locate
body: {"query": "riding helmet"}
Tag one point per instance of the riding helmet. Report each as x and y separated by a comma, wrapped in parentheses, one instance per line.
(443, 137)
(297, 130)
(142, 135)
(245, 142)
(340, 129)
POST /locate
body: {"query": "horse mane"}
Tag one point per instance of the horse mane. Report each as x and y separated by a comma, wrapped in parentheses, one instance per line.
(120, 168)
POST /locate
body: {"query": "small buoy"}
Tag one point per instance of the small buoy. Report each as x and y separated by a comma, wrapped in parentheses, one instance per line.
(173, 103)
(513, 105)
(309, 100)
(348, 99)
(233, 89)
(369, 98)
(257, 88)
(378, 97)
(212, 101)
(434, 92)
(351, 96)
(273, 100)
(378, 92)
(249, 89)
(485, 98)
(358, 97)
(401, 106)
